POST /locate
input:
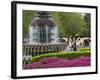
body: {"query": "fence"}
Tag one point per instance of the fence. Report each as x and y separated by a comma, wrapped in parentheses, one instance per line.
(30, 51)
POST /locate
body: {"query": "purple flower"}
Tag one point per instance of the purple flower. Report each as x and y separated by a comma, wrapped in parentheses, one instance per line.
(55, 62)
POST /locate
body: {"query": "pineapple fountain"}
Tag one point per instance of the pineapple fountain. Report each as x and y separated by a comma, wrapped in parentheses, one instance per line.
(43, 37)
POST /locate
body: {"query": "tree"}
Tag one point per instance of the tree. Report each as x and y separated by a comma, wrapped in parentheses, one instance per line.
(28, 16)
(87, 19)
(71, 25)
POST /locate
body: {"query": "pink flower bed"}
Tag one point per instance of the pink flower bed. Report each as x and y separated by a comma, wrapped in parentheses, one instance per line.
(54, 62)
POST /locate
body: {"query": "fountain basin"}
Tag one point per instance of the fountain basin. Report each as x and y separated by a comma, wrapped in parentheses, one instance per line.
(44, 48)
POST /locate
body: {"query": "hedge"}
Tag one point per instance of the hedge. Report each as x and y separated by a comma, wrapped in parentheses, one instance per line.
(85, 49)
(68, 55)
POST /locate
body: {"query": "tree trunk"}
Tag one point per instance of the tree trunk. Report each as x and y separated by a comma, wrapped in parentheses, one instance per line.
(75, 48)
(74, 44)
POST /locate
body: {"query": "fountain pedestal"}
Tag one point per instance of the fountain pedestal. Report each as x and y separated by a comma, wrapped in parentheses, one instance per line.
(43, 35)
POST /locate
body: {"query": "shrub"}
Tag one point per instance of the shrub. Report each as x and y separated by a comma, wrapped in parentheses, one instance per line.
(66, 55)
(85, 49)
(54, 62)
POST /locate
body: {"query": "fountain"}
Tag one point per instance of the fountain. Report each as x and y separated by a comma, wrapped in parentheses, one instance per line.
(43, 29)
(43, 35)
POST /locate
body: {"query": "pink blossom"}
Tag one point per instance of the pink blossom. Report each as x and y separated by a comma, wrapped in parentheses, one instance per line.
(54, 62)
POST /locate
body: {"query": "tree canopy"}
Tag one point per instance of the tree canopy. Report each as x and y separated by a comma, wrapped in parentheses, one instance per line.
(71, 24)
(28, 16)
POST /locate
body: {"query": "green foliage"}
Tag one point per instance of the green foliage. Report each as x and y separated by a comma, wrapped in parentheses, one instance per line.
(87, 30)
(85, 49)
(68, 55)
(27, 19)
(70, 24)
